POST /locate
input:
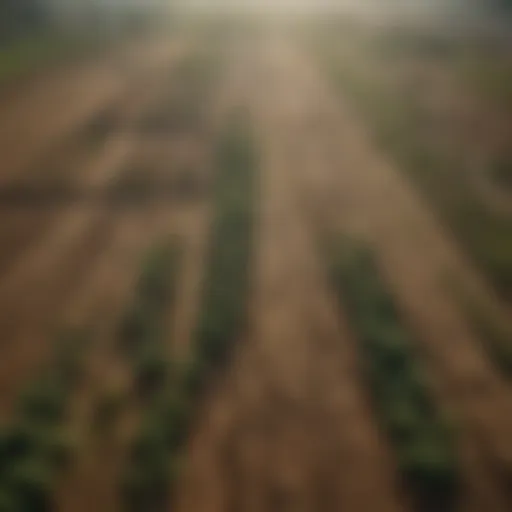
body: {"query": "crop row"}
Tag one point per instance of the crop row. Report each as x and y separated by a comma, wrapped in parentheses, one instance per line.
(227, 279)
(420, 436)
(171, 392)
(35, 446)
(143, 340)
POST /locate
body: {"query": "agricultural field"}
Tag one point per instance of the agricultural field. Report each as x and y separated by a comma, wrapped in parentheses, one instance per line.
(256, 266)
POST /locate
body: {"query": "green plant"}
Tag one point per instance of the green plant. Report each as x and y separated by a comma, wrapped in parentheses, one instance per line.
(107, 409)
(44, 403)
(193, 376)
(146, 482)
(428, 467)
(175, 413)
(142, 326)
(146, 486)
(227, 279)
(57, 448)
(16, 442)
(421, 438)
(30, 481)
(151, 369)
(35, 446)
(152, 469)
(8, 502)
(138, 326)
(157, 281)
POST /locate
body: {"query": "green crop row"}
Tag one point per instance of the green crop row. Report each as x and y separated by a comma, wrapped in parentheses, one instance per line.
(147, 477)
(142, 325)
(227, 280)
(420, 436)
(35, 445)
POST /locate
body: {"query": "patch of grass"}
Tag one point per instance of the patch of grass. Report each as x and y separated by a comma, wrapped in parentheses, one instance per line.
(421, 438)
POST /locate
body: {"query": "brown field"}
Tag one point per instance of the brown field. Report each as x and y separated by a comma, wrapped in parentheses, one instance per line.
(339, 133)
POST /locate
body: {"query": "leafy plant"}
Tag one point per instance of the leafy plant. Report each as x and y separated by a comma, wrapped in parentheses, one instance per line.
(147, 478)
(421, 438)
(31, 483)
(107, 409)
(227, 278)
(35, 446)
(151, 370)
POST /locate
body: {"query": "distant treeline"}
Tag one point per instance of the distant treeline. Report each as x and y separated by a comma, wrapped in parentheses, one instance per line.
(21, 17)
(18, 16)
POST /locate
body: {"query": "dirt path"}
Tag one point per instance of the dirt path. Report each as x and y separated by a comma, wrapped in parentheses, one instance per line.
(355, 189)
(288, 427)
